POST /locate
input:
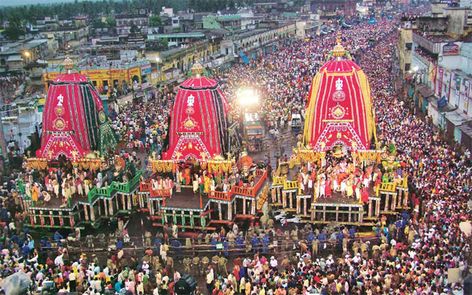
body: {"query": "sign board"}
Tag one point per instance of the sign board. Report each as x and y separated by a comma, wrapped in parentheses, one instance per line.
(146, 69)
(450, 48)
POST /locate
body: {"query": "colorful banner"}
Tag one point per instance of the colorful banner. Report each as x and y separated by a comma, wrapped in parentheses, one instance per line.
(163, 166)
(450, 48)
(369, 156)
(308, 155)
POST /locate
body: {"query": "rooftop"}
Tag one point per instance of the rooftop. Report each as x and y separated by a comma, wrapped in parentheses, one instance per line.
(15, 47)
(14, 58)
(120, 16)
(436, 38)
(181, 35)
(245, 33)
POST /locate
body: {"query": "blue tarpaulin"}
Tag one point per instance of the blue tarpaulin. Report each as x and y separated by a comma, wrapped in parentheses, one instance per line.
(244, 57)
(372, 21)
(442, 102)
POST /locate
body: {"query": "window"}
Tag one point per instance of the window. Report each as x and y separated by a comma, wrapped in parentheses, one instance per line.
(407, 67)
(408, 46)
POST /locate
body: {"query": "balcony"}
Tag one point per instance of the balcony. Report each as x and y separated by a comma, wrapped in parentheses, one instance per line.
(245, 191)
(422, 59)
(426, 42)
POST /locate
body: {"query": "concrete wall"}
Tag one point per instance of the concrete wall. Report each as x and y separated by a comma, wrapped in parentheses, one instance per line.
(466, 53)
(461, 62)
(406, 37)
(457, 20)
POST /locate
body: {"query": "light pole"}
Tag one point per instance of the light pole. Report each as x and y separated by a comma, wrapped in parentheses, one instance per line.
(246, 98)
(26, 58)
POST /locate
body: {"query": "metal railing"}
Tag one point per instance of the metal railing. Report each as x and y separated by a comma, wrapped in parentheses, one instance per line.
(106, 192)
(247, 191)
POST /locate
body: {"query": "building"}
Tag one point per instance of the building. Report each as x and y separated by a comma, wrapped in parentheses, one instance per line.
(250, 44)
(306, 29)
(177, 39)
(20, 121)
(332, 8)
(441, 70)
(109, 75)
(405, 45)
(229, 21)
(173, 64)
(69, 34)
(126, 23)
(15, 56)
(168, 12)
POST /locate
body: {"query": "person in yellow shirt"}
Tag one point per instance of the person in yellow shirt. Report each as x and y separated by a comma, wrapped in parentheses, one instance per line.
(35, 193)
(207, 184)
(248, 288)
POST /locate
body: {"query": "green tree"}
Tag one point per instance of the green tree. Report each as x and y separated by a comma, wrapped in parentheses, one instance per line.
(15, 29)
(164, 43)
(134, 29)
(111, 22)
(155, 21)
(98, 24)
(157, 45)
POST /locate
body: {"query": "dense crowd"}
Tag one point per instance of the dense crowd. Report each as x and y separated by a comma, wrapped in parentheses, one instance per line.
(9, 85)
(143, 126)
(414, 253)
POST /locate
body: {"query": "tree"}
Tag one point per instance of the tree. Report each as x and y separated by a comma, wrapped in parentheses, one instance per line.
(111, 22)
(155, 21)
(157, 45)
(98, 24)
(15, 29)
(164, 43)
(134, 29)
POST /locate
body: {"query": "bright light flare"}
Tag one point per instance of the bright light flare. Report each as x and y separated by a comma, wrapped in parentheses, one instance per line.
(247, 97)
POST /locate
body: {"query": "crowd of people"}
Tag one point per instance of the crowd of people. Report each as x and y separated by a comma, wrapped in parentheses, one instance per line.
(9, 85)
(341, 178)
(65, 181)
(143, 126)
(415, 252)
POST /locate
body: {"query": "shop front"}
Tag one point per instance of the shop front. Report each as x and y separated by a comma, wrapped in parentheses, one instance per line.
(454, 120)
(421, 98)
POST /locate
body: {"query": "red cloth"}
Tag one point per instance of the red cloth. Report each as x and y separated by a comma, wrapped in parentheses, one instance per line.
(328, 189)
(198, 120)
(65, 123)
(342, 100)
(365, 195)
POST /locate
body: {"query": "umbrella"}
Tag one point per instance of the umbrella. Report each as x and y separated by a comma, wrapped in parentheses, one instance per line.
(16, 284)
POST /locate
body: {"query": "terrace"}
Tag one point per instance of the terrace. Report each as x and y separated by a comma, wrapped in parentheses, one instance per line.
(432, 43)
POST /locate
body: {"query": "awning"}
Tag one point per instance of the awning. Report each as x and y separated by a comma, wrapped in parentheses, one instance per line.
(425, 91)
(467, 129)
(456, 118)
(14, 58)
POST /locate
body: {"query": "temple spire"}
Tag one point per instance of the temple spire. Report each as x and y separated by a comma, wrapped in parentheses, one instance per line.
(197, 69)
(338, 50)
(68, 64)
